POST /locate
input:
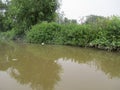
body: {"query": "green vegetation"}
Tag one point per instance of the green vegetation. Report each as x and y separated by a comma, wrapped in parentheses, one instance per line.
(38, 22)
(44, 32)
(104, 35)
(108, 36)
(21, 15)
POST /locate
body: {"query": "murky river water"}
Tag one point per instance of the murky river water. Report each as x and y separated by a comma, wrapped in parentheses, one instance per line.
(50, 67)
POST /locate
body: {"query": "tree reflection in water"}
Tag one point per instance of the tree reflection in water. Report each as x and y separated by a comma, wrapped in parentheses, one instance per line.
(36, 65)
(39, 73)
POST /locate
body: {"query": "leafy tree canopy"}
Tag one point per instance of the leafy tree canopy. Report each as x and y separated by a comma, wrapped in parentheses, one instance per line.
(25, 13)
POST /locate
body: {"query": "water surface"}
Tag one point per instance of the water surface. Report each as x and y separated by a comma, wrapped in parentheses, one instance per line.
(54, 67)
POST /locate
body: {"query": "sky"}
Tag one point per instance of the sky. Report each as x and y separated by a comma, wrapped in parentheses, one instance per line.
(75, 9)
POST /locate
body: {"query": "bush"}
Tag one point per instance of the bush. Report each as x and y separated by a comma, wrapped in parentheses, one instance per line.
(77, 35)
(9, 35)
(109, 36)
(52, 33)
(105, 35)
(44, 33)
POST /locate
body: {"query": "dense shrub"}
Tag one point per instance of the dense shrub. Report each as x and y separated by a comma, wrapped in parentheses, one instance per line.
(52, 33)
(77, 35)
(105, 35)
(44, 33)
(109, 36)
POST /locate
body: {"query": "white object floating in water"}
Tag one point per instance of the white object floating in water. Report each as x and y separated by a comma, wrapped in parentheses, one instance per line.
(42, 43)
(14, 59)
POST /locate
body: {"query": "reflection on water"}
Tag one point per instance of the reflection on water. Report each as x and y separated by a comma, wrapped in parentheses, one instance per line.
(35, 67)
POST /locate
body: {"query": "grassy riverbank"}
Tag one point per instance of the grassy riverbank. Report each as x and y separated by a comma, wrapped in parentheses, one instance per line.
(105, 35)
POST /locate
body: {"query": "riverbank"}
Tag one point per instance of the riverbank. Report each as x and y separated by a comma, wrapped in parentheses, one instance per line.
(103, 35)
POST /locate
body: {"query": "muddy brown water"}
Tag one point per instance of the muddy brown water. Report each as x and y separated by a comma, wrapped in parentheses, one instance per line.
(54, 67)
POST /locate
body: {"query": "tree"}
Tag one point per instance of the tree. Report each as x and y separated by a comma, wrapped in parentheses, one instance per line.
(93, 19)
(69, 21)
(2, 5)
(97, 22)
(2, 16)
(25, 13)
(60, 17)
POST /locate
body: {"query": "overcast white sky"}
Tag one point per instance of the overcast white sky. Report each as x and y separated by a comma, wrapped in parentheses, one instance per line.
(74, 9)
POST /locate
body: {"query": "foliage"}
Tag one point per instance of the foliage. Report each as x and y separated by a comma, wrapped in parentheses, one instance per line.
(52, 33)
(108, 36)
(12, 35)
(77, 35)
(21, 15)
(93, 19)
(44, 33)
(2, 5)
(1, 22)
(9, 35)
(69, 21)
(33, 19)
(2, 17)
(104, 35)
(4, 22)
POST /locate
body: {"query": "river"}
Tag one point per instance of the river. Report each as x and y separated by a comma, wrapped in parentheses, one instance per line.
(55, 67)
